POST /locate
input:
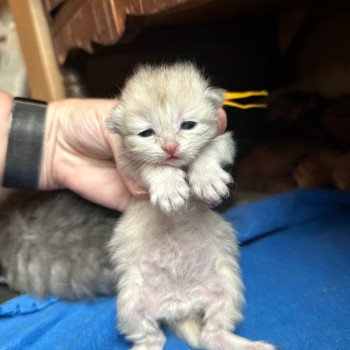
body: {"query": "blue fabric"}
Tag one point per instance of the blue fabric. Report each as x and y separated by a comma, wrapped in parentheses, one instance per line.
(295, 261)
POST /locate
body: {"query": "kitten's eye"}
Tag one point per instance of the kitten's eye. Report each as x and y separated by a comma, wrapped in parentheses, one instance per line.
(146, 133)
(188, 125)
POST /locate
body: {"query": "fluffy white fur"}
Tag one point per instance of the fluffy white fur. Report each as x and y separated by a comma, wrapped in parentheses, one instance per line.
(175, 259)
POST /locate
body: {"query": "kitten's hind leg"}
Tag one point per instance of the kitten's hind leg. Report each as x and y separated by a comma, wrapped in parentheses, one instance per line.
(215, 337)
(143, 332)
(136, 322)
(225, 340)
(216, 332)
(189, 329)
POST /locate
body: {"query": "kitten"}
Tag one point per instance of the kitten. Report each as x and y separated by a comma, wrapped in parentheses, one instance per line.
(175, 259)
(54, 243)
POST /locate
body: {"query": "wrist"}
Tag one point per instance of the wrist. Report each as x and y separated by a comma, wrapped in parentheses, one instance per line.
(26, 130)
(47, 179)
(5, 116)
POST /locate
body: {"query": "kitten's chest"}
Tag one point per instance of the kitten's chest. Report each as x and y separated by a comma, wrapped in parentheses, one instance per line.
(179, 255)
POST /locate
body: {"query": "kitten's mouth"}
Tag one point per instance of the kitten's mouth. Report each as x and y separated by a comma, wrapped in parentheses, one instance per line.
(174, 161)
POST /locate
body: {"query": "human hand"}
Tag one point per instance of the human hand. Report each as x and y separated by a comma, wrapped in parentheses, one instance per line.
(81, 155)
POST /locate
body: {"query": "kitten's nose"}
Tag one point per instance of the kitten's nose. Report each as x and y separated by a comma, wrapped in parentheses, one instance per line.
(170, 148)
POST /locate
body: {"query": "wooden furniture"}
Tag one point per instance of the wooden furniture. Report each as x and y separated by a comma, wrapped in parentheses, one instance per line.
(49, 29)
(45, 79)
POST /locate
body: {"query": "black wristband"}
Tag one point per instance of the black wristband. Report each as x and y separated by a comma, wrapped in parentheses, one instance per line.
(25, 142)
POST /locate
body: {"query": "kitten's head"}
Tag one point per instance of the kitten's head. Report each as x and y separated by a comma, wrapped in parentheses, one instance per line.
(166, 114)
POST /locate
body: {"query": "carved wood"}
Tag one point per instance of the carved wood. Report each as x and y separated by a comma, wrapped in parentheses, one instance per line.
(44, 76)
(79, 23)
(49, 5)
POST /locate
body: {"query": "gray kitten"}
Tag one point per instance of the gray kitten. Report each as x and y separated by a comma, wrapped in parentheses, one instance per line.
(176, 260)
(54, 243)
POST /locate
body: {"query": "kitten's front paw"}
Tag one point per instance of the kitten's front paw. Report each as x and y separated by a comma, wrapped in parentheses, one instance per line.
(170, 196)
(210, 183)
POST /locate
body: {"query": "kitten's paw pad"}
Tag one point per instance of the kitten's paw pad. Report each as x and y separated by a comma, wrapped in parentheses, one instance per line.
(210, 185)
(171, 197)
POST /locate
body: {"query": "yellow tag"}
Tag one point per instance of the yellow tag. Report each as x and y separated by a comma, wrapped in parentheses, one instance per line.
(230, 95)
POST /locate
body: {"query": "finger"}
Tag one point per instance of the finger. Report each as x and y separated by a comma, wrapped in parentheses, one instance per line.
(134, 188)
(222, 118)
(103, 187)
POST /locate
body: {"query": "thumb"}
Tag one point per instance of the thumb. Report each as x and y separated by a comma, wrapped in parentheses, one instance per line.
(222, 118)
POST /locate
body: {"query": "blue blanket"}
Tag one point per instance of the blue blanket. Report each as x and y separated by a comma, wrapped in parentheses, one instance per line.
(295, 262)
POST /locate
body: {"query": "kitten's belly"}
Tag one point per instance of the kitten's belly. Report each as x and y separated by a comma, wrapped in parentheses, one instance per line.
(178, 279)
(178, 266)
(175, 256)
(179, 258)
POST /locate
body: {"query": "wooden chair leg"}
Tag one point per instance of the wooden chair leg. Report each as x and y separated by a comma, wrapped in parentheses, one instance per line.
(45, 79)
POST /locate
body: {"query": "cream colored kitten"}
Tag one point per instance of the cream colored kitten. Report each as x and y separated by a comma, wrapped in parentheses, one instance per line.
(175, 259)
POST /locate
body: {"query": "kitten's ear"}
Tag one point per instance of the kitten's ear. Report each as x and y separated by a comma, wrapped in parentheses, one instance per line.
(215, 96)
(114, 123)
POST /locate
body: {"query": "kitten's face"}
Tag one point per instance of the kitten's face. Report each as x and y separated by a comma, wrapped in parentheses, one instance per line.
(166, 115)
